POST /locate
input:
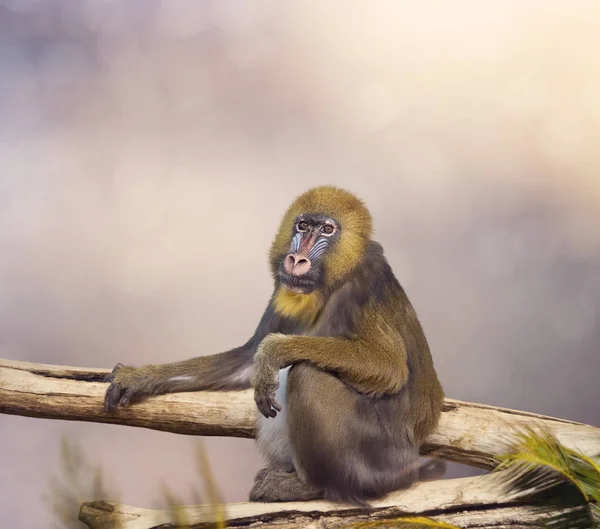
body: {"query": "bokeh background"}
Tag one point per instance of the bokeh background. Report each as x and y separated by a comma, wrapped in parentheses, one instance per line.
(149, 148)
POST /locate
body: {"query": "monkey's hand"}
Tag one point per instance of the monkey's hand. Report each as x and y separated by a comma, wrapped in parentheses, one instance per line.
(126, 383)
(265, 381)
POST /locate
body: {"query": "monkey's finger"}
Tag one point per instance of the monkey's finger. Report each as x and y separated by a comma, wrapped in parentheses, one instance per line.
(271, 408)
(127, 396)
(264, 409)
(112, 396)
(274, 403)
(264, 406)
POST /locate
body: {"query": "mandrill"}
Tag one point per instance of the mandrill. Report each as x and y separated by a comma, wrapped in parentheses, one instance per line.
(340, 366)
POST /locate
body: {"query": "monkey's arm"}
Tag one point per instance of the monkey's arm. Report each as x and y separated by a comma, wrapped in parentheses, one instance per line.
(228, 370)
(375, 367)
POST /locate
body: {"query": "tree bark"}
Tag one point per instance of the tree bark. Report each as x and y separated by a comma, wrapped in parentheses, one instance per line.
(480, 502)
(468, 433)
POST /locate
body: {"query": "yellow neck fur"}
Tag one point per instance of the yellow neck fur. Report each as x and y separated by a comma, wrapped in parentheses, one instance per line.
(303, 307)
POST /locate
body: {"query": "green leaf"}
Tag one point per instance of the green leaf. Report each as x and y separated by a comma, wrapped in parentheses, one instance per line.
(559, 481)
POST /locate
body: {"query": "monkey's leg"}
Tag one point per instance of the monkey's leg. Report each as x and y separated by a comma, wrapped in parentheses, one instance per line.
(273, 485)
(356, 448)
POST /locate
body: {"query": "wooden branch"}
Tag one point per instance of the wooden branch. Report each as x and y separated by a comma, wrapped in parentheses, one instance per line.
(480, 502)
(468, 433)
(75, 394)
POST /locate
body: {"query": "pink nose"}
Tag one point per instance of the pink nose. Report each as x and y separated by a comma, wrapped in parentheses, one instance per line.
(296, 265)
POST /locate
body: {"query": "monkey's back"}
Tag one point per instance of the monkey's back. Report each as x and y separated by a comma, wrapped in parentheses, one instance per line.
(425, 393)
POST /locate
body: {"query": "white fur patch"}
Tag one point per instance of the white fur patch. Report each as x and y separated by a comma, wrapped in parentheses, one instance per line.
(181, 378)
(273, 437)
(242, 376)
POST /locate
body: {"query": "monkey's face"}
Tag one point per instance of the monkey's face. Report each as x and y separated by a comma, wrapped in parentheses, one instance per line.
(313, 235)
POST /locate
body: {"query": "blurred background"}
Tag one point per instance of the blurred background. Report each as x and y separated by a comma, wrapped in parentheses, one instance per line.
(142, 142)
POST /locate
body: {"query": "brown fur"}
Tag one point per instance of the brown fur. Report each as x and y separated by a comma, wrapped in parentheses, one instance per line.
(362, 391)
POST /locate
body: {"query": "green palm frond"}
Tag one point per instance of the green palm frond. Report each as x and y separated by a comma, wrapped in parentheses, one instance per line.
(559, 481)
(407, 522)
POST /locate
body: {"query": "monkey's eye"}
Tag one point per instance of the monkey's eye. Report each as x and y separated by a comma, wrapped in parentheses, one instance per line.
(328, 229)
(302, 225)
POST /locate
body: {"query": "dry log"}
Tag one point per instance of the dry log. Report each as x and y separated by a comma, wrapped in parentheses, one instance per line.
(468, 433)
(480, 502)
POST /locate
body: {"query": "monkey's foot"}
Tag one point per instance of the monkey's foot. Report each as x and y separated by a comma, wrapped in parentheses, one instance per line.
(272, 485)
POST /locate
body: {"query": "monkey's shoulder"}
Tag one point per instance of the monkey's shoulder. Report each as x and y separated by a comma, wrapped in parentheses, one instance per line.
(374, 280)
